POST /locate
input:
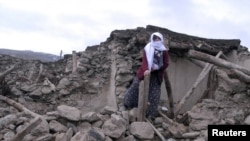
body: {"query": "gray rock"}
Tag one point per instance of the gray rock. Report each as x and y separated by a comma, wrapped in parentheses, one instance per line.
(142, 130)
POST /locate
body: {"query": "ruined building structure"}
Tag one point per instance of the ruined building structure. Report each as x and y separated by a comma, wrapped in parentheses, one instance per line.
(80, 97)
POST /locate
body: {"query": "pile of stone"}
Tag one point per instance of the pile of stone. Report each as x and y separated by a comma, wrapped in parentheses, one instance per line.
(82, 99)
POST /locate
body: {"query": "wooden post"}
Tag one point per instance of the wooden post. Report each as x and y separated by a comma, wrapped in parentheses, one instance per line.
(140, 116)
(146, 91)
(74, 61)
(61, 52)
(143, 98)
(202, 75)
(169, 93)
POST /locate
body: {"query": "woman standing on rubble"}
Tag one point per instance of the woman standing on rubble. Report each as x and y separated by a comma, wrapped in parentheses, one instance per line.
(154, 62)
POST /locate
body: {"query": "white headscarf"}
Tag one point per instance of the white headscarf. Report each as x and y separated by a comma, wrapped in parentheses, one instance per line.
(151, 46)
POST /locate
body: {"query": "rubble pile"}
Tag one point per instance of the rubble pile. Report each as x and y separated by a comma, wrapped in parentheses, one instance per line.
(49, 101)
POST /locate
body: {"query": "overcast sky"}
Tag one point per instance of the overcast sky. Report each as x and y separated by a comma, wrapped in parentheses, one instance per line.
(53, 25)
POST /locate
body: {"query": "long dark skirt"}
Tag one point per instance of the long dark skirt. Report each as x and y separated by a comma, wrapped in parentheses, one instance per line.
(131, 95)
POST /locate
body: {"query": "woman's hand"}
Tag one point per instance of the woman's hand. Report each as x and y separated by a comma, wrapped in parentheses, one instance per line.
(146, 73)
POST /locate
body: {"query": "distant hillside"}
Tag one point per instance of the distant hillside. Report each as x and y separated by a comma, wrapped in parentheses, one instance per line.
(30, 55)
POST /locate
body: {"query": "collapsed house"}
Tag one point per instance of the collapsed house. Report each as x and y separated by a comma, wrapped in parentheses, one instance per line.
(80, 96)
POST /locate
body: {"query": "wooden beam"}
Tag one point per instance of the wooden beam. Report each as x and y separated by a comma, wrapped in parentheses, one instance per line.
(2, 75)
(198, 63)
(146, 92)
(156, 131)
(140, 116)
(34, 123)
(239, 75)
(169, 121)
(18, 106)
(143, 98)
(216, 61)
(202, 75)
